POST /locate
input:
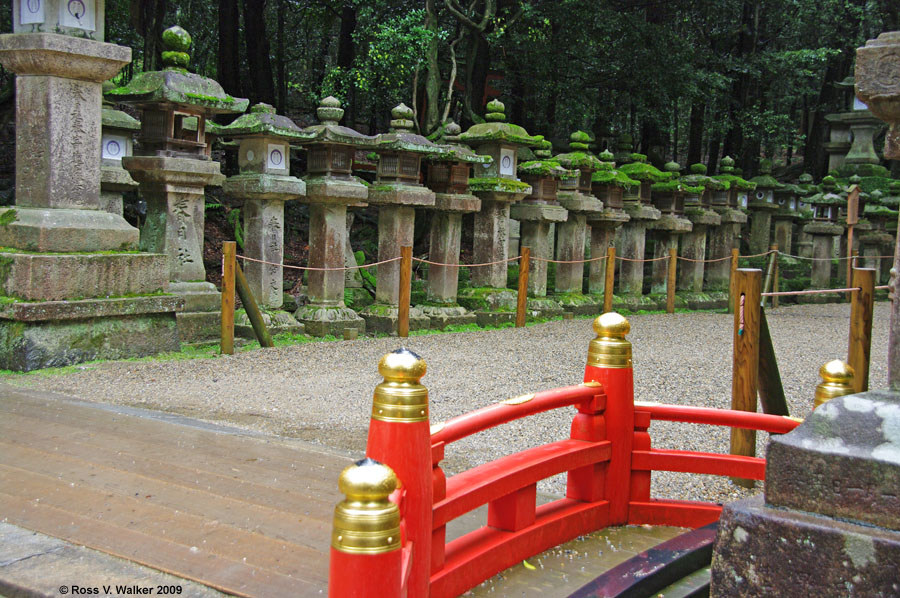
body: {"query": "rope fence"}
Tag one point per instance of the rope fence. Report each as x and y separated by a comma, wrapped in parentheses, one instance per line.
(809, 292)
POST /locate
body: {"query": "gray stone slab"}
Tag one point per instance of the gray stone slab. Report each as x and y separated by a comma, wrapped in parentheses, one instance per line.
(66, 230)
(47, 311)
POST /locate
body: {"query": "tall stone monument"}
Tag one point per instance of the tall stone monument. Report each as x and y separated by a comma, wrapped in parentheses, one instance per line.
(78, 289)
(824, 229)
(172, 166)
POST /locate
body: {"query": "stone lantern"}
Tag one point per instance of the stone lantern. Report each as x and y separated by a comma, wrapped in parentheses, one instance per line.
(668, 198)
(575, 196)
(761, 207)
(787, 198)
(698, 210)
(330, 189)
(537, 213)
(852, 133)
(116, 142)
(497, 186)
(632, 237)
(824, 228)
(397, 192)
(448, 176)
(79, 289)
(263, 185)
(877, 241)
(723, 238)
(172, 166)
(608, 185)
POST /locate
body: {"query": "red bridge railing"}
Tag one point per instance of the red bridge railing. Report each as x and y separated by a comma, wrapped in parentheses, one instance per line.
(608, 460)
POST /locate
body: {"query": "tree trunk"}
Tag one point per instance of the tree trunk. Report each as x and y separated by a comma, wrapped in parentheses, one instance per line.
(228, 67)
(148, 17)
(432, 72)
(280, 63)
(695, 133)
(258, 60)
(346, 54)
(480, 71)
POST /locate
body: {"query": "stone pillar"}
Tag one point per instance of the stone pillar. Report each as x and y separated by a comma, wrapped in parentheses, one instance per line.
(784, 233)
(761, 229)
(535, 223)
(630, 241)
(352, 278)
(824, 234)
(720, 242)
(603, 233)
(827, 524)
(693, 247)
(395, 230)
(490, 243)
(873, 244)
(570, 247)
(264, 240)
(666, 232)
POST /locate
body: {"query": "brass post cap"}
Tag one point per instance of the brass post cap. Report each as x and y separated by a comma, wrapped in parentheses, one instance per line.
(366, 522)
(401, 397)
(837, 381)
(610, 349)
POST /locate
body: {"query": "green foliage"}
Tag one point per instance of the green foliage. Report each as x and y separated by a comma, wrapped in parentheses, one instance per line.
(234, 219)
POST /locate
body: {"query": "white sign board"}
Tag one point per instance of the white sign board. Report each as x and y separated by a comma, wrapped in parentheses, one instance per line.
(507, 162)
(79, 14)
(113, 147)
(277, 156)
(31, 11)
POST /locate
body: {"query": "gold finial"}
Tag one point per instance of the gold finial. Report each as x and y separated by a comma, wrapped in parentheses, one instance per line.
(610, 349)
(837, 381)
(366, 522)
(401, 398)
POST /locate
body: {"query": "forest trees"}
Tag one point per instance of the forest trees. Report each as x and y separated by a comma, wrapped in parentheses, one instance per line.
(691, 80)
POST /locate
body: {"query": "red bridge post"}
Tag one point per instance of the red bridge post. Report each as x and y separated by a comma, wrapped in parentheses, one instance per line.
(400, 437)
(366, 559)
(609, 363)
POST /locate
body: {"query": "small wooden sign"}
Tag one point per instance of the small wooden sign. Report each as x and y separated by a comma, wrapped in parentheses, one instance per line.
(853, 205)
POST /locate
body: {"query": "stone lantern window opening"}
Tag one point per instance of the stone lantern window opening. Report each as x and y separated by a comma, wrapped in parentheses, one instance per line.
(399, 167)
(169, 131)
(330, 160)
(507, 162)
(449, 177)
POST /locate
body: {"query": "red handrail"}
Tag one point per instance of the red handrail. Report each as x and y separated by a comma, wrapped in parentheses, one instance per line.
(775, 424)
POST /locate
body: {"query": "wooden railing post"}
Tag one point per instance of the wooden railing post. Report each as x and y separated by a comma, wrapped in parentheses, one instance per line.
(610, 279)
(734, 266)
(861, 312)
(229, 250)
(405, 290)
(400, 437)
(745, 359)
(770, 272)
(670, 280)
(522, 299)
(609, 363)
(776, 285)
(366, 557)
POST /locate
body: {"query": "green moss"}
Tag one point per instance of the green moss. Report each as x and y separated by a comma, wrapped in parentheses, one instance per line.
(205, 98)
(578, 160)
(8, 216)
(642, 171)
(545, 168)
(614, 177)
(498, 184)
(674, 187)
(736, 182)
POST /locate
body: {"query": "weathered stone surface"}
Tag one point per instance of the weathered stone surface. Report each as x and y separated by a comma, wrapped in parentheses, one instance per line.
(784, 234)
(823, 228)
(760, 229)
(139, 329)
(47, 311)
(878, 84)
(197, 295)
(49, 277)
(670, 223)
(571, 236)
(66, 230)
(536, 235)
(488, 299)
(602, 236)
(764, 552)
(659, 269)
(490, 243)
(690, 270)
(442, 316)
(608, 218)
(543, 307)
(384, 318)
(326, 189)
(579, 202)
(494, 318)
(579, 303)
(638, 211)
(400, 195)
(843, 461)
(536, 212)
(199, 326)
(327, 242)
(456, 202)
(276, 322)
(630, 243)
(395, 230)
(445, 237)
(823, 252)
(51, 54)
(321, 320)
(264, 240)
(264, 186)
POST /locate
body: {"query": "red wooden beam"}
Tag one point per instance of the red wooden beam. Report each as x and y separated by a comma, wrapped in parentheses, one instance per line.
(752, 468)
(776, 424)
(673, 512)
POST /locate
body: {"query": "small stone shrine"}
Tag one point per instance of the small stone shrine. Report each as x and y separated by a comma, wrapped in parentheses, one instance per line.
(397, 192)
(852, 133)
(330, 189)
(78, 290)
(263, 185)
(448, 176)
(172, 166)
(608, 185)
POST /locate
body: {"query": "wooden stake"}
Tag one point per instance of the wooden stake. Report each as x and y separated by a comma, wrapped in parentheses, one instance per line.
(522, 299)
(861, 311)
(670, 281)
(776, 286)
(610, 279)
(405, 284)
(734, 266)
(229, 250)
(745, 359)
(252, 309)
(770, 272)
(771, 390)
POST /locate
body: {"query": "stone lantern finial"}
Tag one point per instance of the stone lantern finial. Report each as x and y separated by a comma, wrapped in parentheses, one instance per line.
(177, 42)
(495, 111)
(727, 165)
(578, 141)
(402, 120)
(543, 152)
(673, 167)
(329, 111)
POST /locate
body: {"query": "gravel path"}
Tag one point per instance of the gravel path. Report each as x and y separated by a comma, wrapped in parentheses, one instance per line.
(322, 391)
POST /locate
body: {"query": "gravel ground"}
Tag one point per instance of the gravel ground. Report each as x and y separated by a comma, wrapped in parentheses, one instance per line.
(322, 392)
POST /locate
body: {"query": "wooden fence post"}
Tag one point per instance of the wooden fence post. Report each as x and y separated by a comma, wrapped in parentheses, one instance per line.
(670, 281)
(522, 298)
(229, 250)
(769, 282)
(610, 279)
(734, 266)
(405, 289)
(745, 359)
(776, 286)
(252, 309)
(861, 310)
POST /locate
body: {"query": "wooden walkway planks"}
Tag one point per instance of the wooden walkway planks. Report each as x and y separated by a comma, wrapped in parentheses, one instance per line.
(245, 515)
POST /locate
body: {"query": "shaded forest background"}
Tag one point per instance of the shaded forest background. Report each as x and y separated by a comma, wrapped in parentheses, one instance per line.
(692, 80)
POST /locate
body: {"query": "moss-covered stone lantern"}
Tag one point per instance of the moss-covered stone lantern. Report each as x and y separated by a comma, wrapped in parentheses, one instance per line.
(536, 213)
(497, 186)
(824, 228)
(330, 189)
(116, 142)
(723, 238)
(263, 185)
(173, 167)
(448, 176)
(852, 133)
(608, 185)
(762, 206)
(737, 196)
(668, 198)
(877, 241)
(698, 210)
(397, 192)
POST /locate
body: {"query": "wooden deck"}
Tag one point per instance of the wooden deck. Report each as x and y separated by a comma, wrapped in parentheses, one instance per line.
(247, 515)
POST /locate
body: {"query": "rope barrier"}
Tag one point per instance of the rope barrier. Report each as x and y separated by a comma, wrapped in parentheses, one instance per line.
(655, 259)
(741, 257)
(507, 260)
(718, 259)
(884, 286)
(809, 292)
(741, 326)
(585, 261)
(250, 259)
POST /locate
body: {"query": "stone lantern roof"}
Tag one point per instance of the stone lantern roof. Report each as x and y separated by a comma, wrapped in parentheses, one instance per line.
(453, 151)
(497, 130)
(401, 136)
(607, 174)
(828, 201)
(175, 86)
(262, 120)
(639, 169)
(892, 200)
(328, 130)
(727, 173)
(578, 158)
(116, 119)
(699, 178)
(877, 209)
(764, 180)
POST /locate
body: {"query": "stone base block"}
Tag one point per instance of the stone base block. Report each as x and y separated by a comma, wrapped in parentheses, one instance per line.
(635, 302)
(447, 315)
(637, 211)
(319, 320)
(322, 189)
(660, 300)
(487, 299)
(384, 318)
(763, 552)
(65, 230)
(198, 296)
(822, 298)
(277, 322)
(543, 307)
(579, 303)
(494, 318)
(579, 202)
(400, 195)
(703, 300)
(671, 224)
(60, 333)
(199, 326)
(536, 212)
(55, 277)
